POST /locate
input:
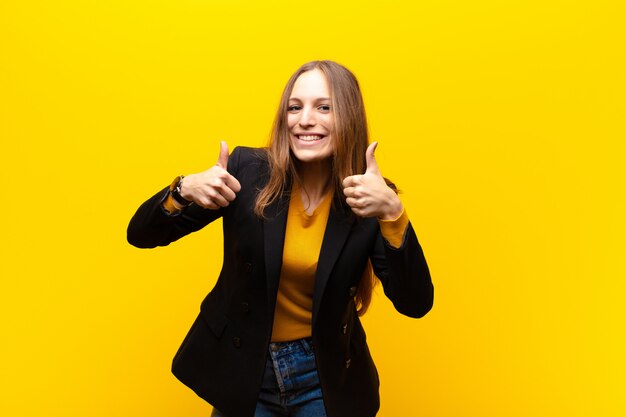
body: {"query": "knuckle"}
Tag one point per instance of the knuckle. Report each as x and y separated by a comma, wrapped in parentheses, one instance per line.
(217, 182)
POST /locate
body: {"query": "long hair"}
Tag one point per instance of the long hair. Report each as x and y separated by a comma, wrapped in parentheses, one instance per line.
(350, 141)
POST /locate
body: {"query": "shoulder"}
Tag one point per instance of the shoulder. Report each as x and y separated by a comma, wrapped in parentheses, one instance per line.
(248, 163)
(245, 154)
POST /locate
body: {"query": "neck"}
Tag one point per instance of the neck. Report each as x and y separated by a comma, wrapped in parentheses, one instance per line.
(315, 177)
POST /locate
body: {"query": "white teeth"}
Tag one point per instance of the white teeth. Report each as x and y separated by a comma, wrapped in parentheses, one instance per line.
(309, 138)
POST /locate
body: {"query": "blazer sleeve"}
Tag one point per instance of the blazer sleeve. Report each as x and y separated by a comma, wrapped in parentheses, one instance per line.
(404, 274)
(151, 226)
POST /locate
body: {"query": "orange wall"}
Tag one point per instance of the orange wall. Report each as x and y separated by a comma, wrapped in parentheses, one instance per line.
(502, 121)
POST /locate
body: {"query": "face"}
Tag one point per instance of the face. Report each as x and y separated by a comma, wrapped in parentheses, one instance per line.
(310, 117)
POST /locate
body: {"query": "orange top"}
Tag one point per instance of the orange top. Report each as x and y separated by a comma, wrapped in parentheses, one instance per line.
(303, 240)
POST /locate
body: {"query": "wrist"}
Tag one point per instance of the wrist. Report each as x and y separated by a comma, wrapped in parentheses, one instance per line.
(393, 231)
(394, 210)
(176, 193)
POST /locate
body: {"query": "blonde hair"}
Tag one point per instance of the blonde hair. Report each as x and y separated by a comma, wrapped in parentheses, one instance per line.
(350, 141)
(350, 135)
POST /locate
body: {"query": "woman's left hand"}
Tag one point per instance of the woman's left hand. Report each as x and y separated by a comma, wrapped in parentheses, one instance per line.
(369, 195)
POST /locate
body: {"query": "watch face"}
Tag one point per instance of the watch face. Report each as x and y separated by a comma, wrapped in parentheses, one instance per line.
(176, 183)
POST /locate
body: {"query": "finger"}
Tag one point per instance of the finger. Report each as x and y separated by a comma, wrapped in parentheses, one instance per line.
(351, 181)
(370, 159)
(219, 185)
(359, 212)
(232, 183)
(355, 192)
(207, 203)
(223, 159)
(218, 199)
(226, 192)
(354, 202)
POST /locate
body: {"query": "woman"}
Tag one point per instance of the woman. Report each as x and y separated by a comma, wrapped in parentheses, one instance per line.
(304, 222)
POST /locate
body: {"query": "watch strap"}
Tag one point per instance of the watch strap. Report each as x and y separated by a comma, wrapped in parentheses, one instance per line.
(175, 189)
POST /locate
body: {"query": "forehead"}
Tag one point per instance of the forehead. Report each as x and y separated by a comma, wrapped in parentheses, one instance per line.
(310, 84)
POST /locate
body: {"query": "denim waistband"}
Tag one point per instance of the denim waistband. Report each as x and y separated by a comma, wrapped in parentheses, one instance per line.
(285, 348)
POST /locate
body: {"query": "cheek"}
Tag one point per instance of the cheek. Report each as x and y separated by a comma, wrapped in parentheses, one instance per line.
(292, 120)
(329, 122)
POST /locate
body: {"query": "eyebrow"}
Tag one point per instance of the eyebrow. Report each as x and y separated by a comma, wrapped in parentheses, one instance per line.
(317, 99)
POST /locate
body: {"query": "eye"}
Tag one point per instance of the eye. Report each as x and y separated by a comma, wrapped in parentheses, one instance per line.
(324, 107)
(294, 108)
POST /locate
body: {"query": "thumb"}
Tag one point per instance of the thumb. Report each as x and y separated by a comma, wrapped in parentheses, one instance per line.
(370, 159)
(222, 161)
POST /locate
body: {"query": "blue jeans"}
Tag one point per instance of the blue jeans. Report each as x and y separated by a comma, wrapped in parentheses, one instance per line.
(291, 387)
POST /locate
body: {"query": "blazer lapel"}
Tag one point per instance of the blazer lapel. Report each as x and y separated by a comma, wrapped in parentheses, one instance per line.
(337, 231)
(273, 241)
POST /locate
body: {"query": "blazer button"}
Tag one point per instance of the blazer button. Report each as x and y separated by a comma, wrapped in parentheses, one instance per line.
(344, 329)
(245, 307)
(352, 291)
(348, 361)
(247, 267)
(237, 342)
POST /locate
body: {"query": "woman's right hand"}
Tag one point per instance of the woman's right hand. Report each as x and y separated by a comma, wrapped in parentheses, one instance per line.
(213, 188)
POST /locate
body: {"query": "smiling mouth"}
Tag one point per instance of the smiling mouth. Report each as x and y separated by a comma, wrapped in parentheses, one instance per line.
(310, 138)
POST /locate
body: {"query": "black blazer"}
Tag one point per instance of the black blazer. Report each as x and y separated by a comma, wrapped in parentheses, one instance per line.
(223, 356)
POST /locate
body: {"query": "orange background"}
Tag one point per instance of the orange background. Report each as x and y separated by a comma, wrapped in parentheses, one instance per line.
(502, 121)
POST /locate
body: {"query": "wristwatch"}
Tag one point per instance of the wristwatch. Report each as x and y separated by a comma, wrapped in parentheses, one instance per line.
(175, 191)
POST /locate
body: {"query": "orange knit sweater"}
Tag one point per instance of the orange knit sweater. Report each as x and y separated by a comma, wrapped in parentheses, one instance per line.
(303, 241)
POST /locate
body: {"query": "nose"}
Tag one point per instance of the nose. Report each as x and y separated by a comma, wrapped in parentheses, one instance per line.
(307, 118)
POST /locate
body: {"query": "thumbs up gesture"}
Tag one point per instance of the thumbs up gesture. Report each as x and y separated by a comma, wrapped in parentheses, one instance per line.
(369, 195)
(213, 188)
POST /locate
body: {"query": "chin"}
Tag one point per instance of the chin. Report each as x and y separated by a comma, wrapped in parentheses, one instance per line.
(310, 155)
